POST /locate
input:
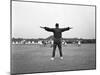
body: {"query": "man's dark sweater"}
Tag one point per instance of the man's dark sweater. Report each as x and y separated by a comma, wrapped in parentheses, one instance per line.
(57, 33)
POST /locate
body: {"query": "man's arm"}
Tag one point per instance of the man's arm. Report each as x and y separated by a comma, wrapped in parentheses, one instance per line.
(47, 29)
(66, 29)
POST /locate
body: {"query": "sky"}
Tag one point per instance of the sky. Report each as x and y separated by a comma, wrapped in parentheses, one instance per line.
(27, 18)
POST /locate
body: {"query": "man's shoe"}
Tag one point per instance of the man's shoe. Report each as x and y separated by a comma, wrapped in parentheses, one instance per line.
(52, 58)
(61, 57)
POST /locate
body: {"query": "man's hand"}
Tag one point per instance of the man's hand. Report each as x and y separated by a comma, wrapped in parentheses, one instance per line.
(70, 27)
(42, 27)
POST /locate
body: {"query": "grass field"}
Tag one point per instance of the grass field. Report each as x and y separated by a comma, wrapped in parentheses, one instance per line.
(32, 59)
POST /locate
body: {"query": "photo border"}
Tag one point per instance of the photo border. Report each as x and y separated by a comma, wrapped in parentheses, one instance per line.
(59, 4)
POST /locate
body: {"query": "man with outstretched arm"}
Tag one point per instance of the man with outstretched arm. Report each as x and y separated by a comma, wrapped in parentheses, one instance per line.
(57, 38)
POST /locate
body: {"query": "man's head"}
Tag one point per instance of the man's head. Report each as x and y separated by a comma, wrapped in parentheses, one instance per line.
(57, 25)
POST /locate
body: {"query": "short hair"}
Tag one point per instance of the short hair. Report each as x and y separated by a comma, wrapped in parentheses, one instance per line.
(57, 25)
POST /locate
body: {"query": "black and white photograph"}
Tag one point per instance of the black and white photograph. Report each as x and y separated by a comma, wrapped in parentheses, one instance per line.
(52, 37)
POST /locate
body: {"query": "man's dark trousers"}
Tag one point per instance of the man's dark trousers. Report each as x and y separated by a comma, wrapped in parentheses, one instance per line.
(57, 42)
